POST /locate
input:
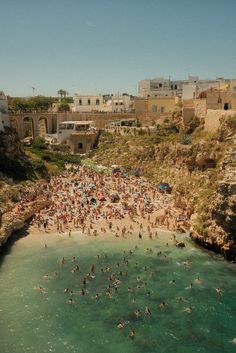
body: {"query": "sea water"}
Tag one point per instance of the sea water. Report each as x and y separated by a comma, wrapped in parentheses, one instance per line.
(34, 321)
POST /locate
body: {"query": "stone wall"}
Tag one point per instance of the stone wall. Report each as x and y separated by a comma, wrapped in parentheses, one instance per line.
(212, 120)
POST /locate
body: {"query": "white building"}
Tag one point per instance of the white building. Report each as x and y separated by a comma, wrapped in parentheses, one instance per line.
(187, 89)
(121, 103)
(117, 103)
(78, 136)
(159, 87)
(87, 103)
(4, 119)
(193, 90)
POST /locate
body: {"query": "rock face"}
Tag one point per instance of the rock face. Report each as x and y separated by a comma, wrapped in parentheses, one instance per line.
(220, 231)
(11, 221)
(15, 164)
(10, 145)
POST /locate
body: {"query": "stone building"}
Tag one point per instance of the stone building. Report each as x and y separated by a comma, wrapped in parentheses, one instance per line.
(213, 99)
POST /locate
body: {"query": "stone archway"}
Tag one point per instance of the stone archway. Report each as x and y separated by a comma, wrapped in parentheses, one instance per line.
(42, 126)
(28, 127)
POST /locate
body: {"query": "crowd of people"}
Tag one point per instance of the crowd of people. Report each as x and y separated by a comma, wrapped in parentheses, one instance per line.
(96, 203)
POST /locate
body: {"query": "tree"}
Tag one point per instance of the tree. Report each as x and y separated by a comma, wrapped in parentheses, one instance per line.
(62, 93)
(28, 105)
(64, 107)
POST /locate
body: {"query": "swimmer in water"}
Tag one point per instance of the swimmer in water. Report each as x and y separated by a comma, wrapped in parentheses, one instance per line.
(40, 289)
(198, 280)
(163, 305)
(66, 290)
(132, 334)
(188, 310)
(180, 299)
(122, 324)
(219, 291)
(147, 311)
(190, 286)
(137, 313)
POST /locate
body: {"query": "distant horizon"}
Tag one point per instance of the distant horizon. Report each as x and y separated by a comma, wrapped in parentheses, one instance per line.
(99, 47)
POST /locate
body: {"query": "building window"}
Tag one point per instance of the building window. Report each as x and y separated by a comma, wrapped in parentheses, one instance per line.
(160, 85)
(176, 87)
(89, 101)
(97, 101)
(80, 101)
(162, 109)
(80, 145)
(154, 109)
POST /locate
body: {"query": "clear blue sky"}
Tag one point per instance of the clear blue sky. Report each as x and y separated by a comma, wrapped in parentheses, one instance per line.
(99, 46)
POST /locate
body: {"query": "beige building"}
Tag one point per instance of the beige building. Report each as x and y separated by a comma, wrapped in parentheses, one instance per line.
(155, 106)
(140, 106)
(160, 105)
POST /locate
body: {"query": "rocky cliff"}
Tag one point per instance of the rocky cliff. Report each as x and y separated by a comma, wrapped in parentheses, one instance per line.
(201, 170)
(19, 197)
(219, 232)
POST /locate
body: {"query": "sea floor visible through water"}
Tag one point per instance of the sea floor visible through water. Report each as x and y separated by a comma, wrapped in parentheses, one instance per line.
(190, 293)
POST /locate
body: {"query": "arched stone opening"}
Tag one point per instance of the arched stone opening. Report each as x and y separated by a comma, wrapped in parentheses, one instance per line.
(28, 127)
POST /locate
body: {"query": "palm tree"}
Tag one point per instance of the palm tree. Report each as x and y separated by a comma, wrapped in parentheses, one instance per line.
(62, 93)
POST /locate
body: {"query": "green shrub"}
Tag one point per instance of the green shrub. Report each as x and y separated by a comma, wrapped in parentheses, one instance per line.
(39, 143)
(185, 140)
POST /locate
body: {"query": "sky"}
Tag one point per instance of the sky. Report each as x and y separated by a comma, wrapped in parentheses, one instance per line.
(107, 46)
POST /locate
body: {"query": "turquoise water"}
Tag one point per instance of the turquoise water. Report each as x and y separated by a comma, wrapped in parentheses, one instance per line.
(31, 321)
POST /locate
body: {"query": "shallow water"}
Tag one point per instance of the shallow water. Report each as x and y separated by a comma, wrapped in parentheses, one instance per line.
(31, 321)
